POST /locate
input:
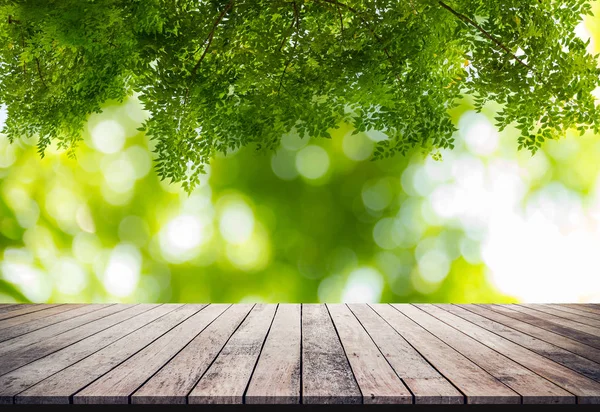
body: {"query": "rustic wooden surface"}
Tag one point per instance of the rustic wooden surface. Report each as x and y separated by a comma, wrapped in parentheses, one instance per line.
(292, 353)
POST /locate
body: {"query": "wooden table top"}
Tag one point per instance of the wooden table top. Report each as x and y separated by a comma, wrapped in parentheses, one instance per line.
(292, 353)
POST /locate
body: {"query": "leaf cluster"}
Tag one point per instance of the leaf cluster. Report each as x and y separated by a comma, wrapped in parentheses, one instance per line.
(216, 75)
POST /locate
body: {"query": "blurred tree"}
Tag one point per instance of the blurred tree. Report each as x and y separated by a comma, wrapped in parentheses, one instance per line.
(219, 74)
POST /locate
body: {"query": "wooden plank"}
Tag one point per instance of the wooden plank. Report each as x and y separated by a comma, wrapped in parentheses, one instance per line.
(595, 307)
(276, 378)
(376, 379)
(576, 309)
(546, 324)
(425, 382)
(25, 310)
(590, 330)
(586, 390)
(561, 341)
(227, 378)
(563, 314)
(58, 388)
(326, 374)
(533, 388)
(34, 325)
(22, 356)
(477, 384)
(176, 379)
(39, 316)
(46, 333)
(575, 362)
(117, 385)
(32, 373)
(9, 307)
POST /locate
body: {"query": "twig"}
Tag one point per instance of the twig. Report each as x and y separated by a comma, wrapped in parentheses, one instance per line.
(209, 39)
(287, 64)
(37, 62)
(467, 20)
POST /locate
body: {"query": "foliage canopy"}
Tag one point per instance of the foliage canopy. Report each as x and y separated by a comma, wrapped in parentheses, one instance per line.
(219, 74)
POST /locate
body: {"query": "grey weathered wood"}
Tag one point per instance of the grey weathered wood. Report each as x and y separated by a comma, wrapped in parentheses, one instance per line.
(94, 312)
(477, 384)
(376, 379)
(36, 316)
(9, 307)
(564, 314)
(26, 376)
(576, 309)
(532, 387)
(34, 325)
(227, 378)
(427, 384)
(117, 385)
(276, 378)
(547, 323)
(59, 387)
(592, 307)
(177, 378)
(25, 310)
(590, 330)
(586, 390)
(575, 362)
(561, 341)
(22, 356)
(326, 374)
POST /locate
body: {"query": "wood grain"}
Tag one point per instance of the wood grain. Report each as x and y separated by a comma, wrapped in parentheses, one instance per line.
(425, 382)
(25, 309)
(276, 378)
(326, 374)
(117, 385)
(33, 325)
(40, 314)
(60, 387)
(177, 378)
(375, 377)
(34, 372)
(586, 390)
(575, 362)
(564, 314)
(532, 387)
(227, 378)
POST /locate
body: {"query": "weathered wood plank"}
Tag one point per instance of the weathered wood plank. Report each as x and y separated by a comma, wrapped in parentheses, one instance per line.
(9, 307)
(532, 387)
(586, 390)
(94, 313)
(227, 378)
(548, 325)
(376, 379)
(477, 384)
(576, 309)
(26, 376)
(25, 310)
(326, 374)
(176, 379)
(427, 384)
(561, 341)
(595, 307)
(60, 387)
(575, 362)
(117, 385)
(22, 356)
(564, 314)
(34, 325)
(276, 378)
(36, 316)
(590, 330)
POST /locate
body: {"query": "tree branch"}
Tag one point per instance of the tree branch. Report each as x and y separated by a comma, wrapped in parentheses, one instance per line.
(209, 39)
(287, 64)
(37, 62)
(487, 35)
(366, 23)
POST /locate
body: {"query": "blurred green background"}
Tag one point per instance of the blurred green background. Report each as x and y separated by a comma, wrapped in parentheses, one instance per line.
(314, 222)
